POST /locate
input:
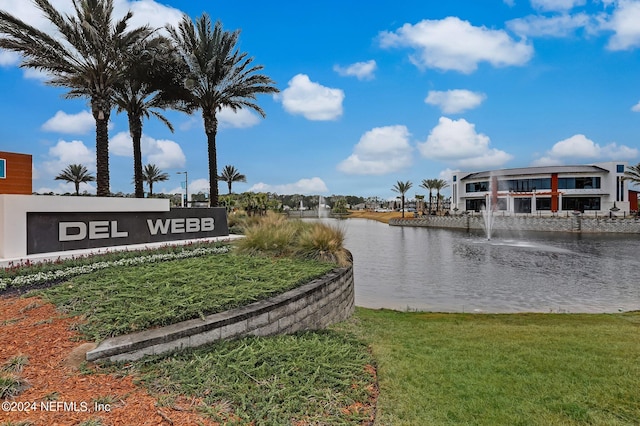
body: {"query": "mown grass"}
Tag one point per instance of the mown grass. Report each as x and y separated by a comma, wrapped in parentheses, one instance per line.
(120, 300)
(527, 369)
(307, 378)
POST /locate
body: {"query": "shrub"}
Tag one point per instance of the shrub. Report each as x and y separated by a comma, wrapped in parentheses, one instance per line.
(275, 235)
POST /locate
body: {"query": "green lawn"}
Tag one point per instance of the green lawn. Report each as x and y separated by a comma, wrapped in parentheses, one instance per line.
(527, 369)
(121, 300)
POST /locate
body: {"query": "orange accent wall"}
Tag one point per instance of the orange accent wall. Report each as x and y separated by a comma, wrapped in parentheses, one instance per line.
(554, 191)
(633, 200)
(18, 174)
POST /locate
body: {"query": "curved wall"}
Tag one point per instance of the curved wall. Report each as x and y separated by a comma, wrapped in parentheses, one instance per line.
(315, 305)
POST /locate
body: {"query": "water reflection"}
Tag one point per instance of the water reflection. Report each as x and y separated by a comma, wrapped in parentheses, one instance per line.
(454, 271)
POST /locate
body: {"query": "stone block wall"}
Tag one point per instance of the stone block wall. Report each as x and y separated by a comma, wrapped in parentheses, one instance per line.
(315, 305)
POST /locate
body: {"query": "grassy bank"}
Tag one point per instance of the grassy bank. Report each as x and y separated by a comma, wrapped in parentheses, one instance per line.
(529, 369)
(380, 217)
(121, 300)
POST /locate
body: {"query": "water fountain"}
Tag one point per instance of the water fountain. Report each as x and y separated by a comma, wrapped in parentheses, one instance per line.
(487, 215)
(323, 211)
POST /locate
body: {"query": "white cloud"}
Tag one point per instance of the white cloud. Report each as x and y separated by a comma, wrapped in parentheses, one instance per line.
(8, 58)
(456, 142)
(455, 101)
(360, 70)
(549, 26)
(453, 44)
(237, 119)
(624, 24)
(80, 123)
(312, 186)
(580, 147)
(380, 151)
(198, 185)
(636, 107)
(65, 153)
(310, 99)
(165, 154)
(556, 5)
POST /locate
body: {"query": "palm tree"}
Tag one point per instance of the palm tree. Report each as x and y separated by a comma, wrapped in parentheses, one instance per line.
(76, 173)
(632, 173)
(88, 59)
(218, 76)
(150, 83)
(439, 184)
(152, 174)
(402, 188)
(230, 174)
(428, 184)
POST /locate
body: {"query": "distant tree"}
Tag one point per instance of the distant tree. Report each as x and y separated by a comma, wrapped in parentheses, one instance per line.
(340, 207)
(77, 174)
(230, 174)
(218, 76)
(439, 184)
(152, 174)
(632, 173)
(429, 184)
(402, 188)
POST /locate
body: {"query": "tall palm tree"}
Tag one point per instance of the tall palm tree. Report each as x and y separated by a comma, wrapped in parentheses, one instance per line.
(218, 76)
(151, 83)
(439, 184)
(230, 174)
(402, 188)
(76, 173)
(632, 173)
(428, 184)
(152, 174)
(87, 59)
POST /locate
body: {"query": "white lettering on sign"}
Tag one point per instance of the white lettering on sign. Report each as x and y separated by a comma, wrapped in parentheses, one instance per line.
(180, 225)
(93, 230)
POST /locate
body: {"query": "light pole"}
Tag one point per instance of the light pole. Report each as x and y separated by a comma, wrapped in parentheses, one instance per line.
(186, 186)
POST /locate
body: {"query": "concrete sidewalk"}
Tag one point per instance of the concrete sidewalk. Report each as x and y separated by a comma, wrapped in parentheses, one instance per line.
(60, 255)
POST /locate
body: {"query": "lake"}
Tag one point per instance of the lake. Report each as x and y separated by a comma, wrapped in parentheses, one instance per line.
(445, 270)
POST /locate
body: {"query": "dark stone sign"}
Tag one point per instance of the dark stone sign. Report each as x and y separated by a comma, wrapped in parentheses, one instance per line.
(51, 232)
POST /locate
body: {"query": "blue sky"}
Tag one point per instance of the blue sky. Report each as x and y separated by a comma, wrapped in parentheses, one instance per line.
(371, 93)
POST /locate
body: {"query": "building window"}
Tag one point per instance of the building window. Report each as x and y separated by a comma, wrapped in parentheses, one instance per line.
(588, 182)
(455, 178)
(474, 205)
(619, 168)
(3, 168)
(524, 185)
(477, 186)
(543, 203)
(581, 203)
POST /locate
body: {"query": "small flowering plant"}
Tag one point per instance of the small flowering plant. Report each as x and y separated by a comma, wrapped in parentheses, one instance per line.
(28, 274)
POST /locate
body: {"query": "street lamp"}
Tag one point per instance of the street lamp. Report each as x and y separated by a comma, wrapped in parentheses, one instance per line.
(186, 186)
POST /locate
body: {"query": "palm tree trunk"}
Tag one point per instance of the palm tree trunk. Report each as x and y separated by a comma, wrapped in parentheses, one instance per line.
(229, 184)
(77, 187)
(211, 128)
(135, 129)
(150, 188)
(101, 115)
(403, 206)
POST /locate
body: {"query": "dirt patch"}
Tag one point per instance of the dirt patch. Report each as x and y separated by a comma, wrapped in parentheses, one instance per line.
(57, 392)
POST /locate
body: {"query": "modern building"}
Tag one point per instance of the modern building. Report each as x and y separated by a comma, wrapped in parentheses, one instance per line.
(594, 188)
(15, 173)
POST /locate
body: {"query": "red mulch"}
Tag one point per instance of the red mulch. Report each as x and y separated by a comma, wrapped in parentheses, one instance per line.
(34, 328)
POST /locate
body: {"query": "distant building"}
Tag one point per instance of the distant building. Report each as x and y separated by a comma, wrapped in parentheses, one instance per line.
(15, 173)
(595, 188)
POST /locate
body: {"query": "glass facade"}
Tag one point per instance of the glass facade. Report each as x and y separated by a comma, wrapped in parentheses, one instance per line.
(477, 186)
(589, 182)
(581, 203)
(524, 185)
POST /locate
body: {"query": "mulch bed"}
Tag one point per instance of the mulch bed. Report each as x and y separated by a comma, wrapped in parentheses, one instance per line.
(33, 328)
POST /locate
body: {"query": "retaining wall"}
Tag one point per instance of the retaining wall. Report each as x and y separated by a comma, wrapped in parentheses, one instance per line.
(528, 223)
(315, 305)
